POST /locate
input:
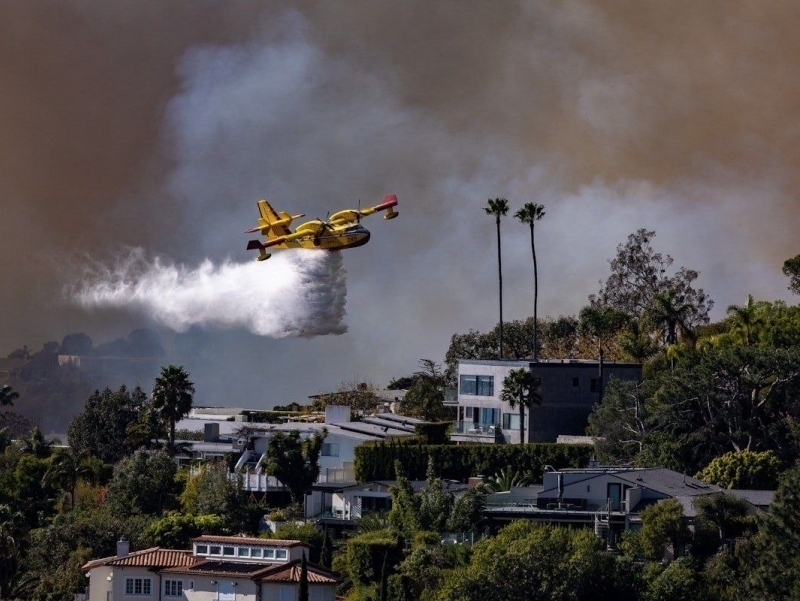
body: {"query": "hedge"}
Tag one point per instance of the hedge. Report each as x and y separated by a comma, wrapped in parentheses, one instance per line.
(375, 461)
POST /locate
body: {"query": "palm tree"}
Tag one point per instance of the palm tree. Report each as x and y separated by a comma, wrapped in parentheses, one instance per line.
(745, 318)
(530, 213)
(8, 395)
(172, 398)
(521, 389)
(498, 207)
(671, 316)
(505, 479)
(66, 467)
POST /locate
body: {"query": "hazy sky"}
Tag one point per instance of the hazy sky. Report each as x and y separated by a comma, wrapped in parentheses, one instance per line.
(148, 130)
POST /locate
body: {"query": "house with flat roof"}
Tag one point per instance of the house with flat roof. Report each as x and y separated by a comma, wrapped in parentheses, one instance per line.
(219, 568)
(337, 457)
(569, 389)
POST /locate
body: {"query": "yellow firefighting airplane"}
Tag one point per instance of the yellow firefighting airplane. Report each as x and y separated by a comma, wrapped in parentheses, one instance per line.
(342, 230)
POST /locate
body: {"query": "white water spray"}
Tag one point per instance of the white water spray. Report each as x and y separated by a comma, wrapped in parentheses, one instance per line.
(296, 293)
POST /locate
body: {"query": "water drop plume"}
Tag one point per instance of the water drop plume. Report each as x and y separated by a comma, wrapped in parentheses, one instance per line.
(296, 293)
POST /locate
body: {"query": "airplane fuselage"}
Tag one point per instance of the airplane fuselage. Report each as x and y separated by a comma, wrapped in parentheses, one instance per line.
(350, 237)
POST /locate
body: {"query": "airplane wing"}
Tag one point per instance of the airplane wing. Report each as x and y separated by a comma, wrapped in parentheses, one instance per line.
(351, 215)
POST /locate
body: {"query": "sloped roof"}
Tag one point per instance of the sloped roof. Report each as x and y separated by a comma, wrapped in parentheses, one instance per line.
(154, 557)
(222, 568)
(667, 482)
(291, 573)
(759, 498)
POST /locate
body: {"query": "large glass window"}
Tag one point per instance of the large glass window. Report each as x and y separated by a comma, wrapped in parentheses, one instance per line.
(477, 385)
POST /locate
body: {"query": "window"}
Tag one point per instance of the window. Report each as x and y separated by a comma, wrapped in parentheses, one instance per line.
(215, 550)
(173, 588)
(281, 554)
(228, 550)
(576, 381)
(269, 553)
(202, 549)
(330, 449)
(489, 416)
(477, 385)
(511, 421)
(595, 385)
(137, 586)
(468, 413)
(243, 551)
(255, 552)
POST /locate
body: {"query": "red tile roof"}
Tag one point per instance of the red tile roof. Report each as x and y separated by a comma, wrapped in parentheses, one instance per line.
(155, 557)
(291, 573)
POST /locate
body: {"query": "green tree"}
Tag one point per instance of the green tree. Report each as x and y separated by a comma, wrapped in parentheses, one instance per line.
(172, 398)
(670, 317)
(639, 273)
(7, 396)
(791, 269)
(749, 470)
(405, 513)
(211, 491)
(435, 503)
(143, 483)
(13, 538)
(66, 468)
(521, 389)
(425, 396)
(745, 318)
(498, 207)
(530, 213)
(663, 525)
(535, 562)
(621, 423)
(100, 428)
(776, 571)
(294, 461)
(727, 513)
(176, 530)
(733, 399)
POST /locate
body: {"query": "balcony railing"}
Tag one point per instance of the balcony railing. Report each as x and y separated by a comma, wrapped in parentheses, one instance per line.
(475, 431)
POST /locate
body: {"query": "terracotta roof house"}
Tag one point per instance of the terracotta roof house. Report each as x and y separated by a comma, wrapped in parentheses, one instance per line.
(217, 568)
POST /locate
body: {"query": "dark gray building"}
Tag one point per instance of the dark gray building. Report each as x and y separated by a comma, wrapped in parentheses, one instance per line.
(569, 389)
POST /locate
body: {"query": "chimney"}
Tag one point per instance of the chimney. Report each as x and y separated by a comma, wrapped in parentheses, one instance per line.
(211, 432)
(123, 548)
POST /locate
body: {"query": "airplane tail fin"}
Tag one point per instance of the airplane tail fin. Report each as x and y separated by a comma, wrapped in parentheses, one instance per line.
(263, 255)
(388, 205)
(270, 223)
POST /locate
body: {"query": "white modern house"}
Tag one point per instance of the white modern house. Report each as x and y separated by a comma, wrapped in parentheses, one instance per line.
(569, 388)
(336, 459)
(218, 568)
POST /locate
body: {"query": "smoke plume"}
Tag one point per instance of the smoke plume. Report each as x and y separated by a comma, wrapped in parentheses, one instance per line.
(296, 294)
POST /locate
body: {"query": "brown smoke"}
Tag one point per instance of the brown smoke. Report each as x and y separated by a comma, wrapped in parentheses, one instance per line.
(559, 102)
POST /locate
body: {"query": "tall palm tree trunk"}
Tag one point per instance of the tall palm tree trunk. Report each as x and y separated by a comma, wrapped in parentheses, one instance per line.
(521, 422)
(500, 282)
(535, 299)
